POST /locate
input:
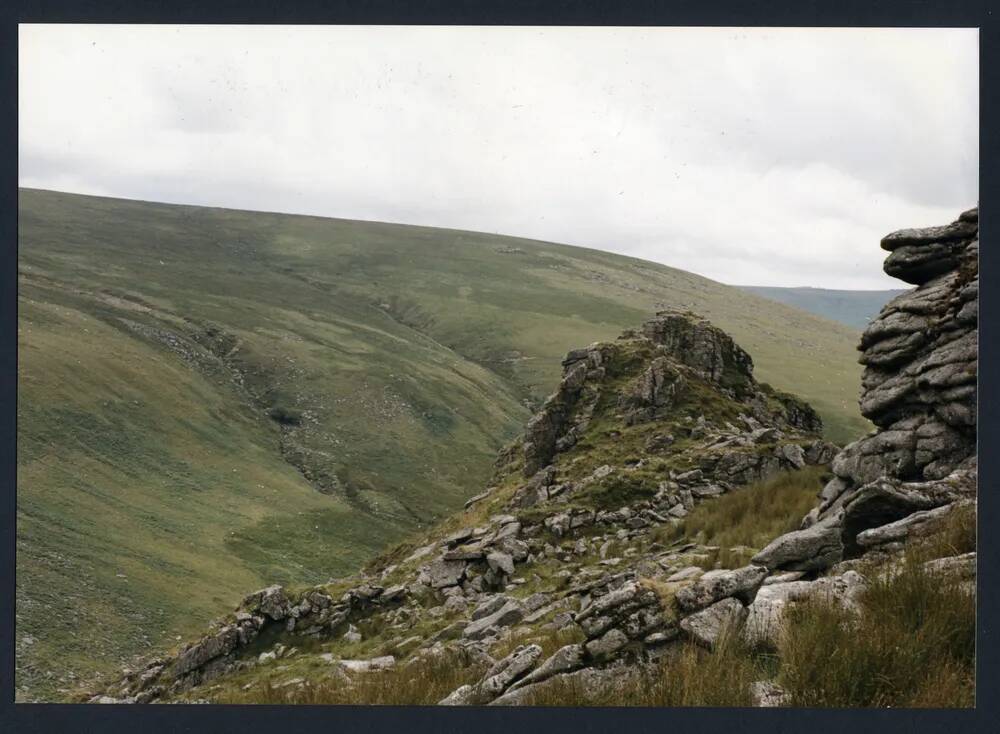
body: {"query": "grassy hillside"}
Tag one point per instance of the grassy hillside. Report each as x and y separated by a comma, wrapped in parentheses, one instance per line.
(852, 308)
(212, 400)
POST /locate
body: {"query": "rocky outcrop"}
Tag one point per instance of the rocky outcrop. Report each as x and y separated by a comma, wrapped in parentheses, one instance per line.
(549, 426)
(695, 342)
(765, 614)
(716, 585)
(916, 525)
(497, 679)
(920, 255)
(655, 392)
(919, 389)
(221, 651)
(685, 353)
(816, 547)
(920, 356)
(709, 625)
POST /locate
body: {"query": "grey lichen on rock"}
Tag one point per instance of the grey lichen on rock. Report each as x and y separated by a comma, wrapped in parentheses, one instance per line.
(710, 624)
(921, 359)
(816, 547)
(695, 342)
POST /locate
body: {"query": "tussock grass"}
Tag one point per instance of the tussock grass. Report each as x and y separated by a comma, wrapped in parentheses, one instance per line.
(696, 677)
(751, 516)
(912, 646)
(616, 490)
(956, 536)
(549, 643)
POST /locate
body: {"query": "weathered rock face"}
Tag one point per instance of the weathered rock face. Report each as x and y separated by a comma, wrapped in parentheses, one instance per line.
(921, 358)
(765, 614)
(919, 389)
(686, 354)
(548, 426)
(655, 392)
(498, 678)
(920, 255)
(815, 547)
(716, 585)
(698, 344)
(710, 624)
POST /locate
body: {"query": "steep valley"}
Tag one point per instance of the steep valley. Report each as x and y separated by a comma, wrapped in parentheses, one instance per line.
(214, 400)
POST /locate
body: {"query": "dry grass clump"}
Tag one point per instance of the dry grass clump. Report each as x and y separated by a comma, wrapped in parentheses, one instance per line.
(956, 536)
(423, 681)
(913, 645)
(692, 676)
(751, 516)
(549, 641)
(696, 677)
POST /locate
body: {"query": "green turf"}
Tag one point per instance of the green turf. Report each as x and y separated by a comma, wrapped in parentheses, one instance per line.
(189, 377)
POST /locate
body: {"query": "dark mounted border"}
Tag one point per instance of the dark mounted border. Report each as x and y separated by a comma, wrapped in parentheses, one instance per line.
(26, 718)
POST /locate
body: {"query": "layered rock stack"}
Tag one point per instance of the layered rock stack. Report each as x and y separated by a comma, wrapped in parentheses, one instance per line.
(920, 356)
(919, 388)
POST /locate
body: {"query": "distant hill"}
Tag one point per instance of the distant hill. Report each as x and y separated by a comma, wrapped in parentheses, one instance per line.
(212, 400)
(853, 308)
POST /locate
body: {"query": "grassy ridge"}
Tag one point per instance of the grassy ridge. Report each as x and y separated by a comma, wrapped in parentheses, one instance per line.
(189, 376)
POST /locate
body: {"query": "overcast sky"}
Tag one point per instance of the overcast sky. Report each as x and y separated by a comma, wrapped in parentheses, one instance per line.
(751, 156)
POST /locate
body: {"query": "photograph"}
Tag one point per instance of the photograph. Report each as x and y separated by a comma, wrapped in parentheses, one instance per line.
(496, 365)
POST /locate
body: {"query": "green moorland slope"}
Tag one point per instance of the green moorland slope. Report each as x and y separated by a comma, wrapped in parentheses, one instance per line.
(211, 400)
(853, 308)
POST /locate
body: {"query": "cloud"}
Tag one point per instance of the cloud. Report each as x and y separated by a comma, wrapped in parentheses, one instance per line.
(766, 156)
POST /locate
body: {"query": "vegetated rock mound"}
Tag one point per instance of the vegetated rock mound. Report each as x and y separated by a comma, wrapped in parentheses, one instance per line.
(679, 360)
(572, 541)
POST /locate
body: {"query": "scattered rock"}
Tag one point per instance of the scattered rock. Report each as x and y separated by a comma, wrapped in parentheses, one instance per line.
(446, 573)
(510, 613)
(497, 679)
(367, 666)
(816, 547)
(707, 626)
(563, 660)
(607, 645)
(715, 585)
(501, 562)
